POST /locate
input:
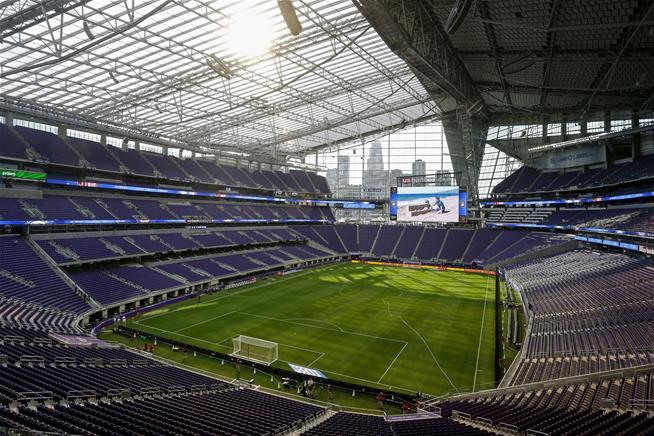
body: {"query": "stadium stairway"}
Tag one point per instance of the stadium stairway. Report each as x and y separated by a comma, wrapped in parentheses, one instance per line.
(399, 238)
(443, 245)
(374, 240)
(42, 254)
(470, 244)
(306, 425)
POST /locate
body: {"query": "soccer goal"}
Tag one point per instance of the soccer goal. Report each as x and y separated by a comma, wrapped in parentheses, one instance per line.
(254, 349)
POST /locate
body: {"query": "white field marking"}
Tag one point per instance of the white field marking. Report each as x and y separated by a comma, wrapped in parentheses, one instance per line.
(388, 307)
(430, 352)
(190, 337)
(224, 340)
(225, 346)
(481, 332)
(389, 366)
(340, 290)
(316, 359)
(313, 319)
(222, 295)
(206, 320)
(368, 381)
(278, 343)
(323, 328)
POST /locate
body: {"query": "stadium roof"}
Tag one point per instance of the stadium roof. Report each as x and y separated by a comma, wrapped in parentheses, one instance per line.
(195, 72)
(529, 58)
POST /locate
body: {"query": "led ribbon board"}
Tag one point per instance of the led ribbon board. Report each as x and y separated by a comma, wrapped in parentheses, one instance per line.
(584, 200)
(345, 204)
(31, 176)
(152, 221)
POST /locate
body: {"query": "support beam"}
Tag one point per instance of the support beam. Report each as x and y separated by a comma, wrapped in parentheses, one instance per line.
(415, 34)
(32, 14)
(412, 30)
(466, 141)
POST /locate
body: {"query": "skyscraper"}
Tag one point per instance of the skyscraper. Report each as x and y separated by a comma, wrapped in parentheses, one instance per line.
(343, 170)
(332, 179)
(375, 178)
(419, 168)
(394, 175)
(418, 171)
(375, 157)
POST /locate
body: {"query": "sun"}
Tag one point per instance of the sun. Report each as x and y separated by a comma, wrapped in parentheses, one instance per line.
(250, 34)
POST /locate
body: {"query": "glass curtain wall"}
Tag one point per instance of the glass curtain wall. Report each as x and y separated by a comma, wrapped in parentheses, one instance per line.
(368, 170)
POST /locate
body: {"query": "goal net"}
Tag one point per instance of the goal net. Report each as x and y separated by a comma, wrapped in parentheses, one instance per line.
(254, 349)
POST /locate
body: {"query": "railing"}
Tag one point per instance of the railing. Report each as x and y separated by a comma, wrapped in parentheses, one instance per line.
(641, 404)
(34, 396)
(461, 415)
(197, 388)
(508, 427)
(119, 393)
(565, 381)
(39, 360)
(150, 390)
(485, 421)
(61, 360)
(537, 433)
(84, 394)
(176, 389)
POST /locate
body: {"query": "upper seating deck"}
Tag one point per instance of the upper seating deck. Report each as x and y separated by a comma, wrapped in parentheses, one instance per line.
(34, 145)
(531, 180)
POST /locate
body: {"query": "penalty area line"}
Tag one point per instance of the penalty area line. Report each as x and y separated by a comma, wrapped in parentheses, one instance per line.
(432, 354)
(221, 295)
(322, 328)
(389, 366)
(227, 347)
(309, 365)
(314, 319)
(351, 377)
(206, 320)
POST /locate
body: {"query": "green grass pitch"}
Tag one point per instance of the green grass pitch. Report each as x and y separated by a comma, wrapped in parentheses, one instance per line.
(384, 327)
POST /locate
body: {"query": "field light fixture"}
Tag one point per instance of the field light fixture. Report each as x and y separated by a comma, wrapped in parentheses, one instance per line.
(290, 17)
(87, 30)
(220, 67)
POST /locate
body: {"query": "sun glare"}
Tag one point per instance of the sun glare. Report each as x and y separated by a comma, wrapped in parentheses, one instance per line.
(250, 34)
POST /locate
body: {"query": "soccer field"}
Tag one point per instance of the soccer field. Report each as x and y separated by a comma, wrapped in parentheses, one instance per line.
(384, 327)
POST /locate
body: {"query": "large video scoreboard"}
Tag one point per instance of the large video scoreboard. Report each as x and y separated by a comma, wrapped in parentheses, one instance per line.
(428, 204)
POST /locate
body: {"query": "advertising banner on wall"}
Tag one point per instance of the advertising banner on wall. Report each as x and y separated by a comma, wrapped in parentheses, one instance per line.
(572, 157)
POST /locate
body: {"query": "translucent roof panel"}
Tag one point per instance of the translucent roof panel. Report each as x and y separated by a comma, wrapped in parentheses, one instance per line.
(215, 74)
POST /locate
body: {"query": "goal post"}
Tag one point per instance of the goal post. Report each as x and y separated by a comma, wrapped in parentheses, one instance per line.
(255, 349)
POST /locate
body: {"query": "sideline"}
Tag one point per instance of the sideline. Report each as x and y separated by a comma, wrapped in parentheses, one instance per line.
(481, 333)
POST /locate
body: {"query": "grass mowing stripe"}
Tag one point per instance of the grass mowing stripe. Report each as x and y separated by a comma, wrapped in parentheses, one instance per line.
(345, 376)
(224, 294)
(389, 366)
(316, 359)
(481, 332)
(204, 321)
(219, 344)
(313, 319)
(430, 352)
(318, 327)
(345, 321)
